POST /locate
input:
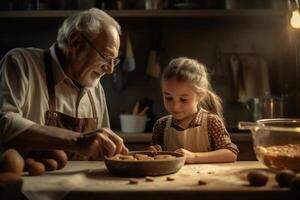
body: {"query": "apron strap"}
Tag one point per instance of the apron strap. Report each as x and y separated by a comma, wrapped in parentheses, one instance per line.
(204, 124)
(204, 119)
(93, 104)
(50, 85)
(169, 122)
(167, 127)
(50, 81)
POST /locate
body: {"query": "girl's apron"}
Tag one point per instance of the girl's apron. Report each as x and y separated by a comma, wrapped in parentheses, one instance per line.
(61, 120)
(192, 139)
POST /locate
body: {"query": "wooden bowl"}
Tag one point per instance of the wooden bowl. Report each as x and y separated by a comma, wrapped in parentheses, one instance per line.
(140, 168)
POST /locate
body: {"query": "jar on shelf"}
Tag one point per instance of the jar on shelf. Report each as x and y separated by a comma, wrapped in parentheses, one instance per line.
(153, 4)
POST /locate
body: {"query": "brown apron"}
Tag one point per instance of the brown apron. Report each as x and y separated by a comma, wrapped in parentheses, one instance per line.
(61, 120)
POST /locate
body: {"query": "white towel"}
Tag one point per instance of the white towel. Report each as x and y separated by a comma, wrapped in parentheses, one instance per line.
(253, 78)
(129, 61)
(153, 66)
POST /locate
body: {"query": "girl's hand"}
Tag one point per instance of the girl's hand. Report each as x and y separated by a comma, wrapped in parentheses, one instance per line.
(189, 155)
(155, 148)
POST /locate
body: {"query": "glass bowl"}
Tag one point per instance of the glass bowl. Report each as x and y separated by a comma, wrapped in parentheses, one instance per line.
(276, 142)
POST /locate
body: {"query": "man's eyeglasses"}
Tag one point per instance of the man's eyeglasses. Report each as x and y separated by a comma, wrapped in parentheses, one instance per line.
(114, 61)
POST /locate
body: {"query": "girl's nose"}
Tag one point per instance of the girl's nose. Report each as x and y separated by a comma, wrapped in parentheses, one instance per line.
(175, 106)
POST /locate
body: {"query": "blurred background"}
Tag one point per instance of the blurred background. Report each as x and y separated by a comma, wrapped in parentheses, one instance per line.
(249, 47)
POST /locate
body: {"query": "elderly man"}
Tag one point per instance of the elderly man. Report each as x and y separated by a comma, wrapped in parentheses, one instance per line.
(51, 97)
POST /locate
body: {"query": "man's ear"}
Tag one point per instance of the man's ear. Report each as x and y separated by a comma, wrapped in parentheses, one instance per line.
(75, 42)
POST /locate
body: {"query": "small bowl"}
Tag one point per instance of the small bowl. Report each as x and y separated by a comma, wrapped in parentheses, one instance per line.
(133, 123)
(276, 142)
(141, 168)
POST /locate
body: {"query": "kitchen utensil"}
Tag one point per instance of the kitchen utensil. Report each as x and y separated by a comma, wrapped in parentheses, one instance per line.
(143, 112)
(133, 123)
(134, 168)
(136, 107)
(276, 142)
(266, 107)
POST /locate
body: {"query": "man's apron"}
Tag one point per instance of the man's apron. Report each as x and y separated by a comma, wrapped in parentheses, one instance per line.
(192, 139)
(61, 120)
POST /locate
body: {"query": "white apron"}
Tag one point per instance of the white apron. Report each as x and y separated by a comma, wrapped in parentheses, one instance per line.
(192, 139)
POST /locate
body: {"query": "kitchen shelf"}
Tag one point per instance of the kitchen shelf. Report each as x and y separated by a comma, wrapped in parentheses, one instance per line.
(151, 13)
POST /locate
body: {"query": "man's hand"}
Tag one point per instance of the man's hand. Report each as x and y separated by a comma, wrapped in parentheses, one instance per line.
(106, 142)
(112, 143)
(155, 148)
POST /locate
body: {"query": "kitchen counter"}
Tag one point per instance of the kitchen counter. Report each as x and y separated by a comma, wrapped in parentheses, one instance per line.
(141, 141)
(91, 180)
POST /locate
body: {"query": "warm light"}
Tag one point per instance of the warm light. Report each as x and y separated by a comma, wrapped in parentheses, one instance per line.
(295, 19)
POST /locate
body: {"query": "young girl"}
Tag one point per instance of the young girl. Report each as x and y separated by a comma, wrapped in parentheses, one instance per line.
(195, 125)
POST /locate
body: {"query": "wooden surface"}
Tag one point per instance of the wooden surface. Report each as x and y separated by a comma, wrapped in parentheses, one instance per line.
(141, 141)
(91, 180)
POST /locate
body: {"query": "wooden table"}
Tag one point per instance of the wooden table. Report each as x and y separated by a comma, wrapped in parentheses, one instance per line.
(243, 140)
(91, 180)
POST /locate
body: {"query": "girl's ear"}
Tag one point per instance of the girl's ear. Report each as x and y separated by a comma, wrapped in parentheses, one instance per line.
(74, 43)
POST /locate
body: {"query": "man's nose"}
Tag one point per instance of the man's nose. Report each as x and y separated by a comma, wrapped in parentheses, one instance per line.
(108, 68)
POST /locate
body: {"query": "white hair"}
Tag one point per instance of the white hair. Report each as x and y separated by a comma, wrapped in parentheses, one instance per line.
(89, 22)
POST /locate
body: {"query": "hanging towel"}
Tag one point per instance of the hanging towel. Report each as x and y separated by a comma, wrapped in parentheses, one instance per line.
(153, 67)
(254, 78)
(129, 61)
(237, 76)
